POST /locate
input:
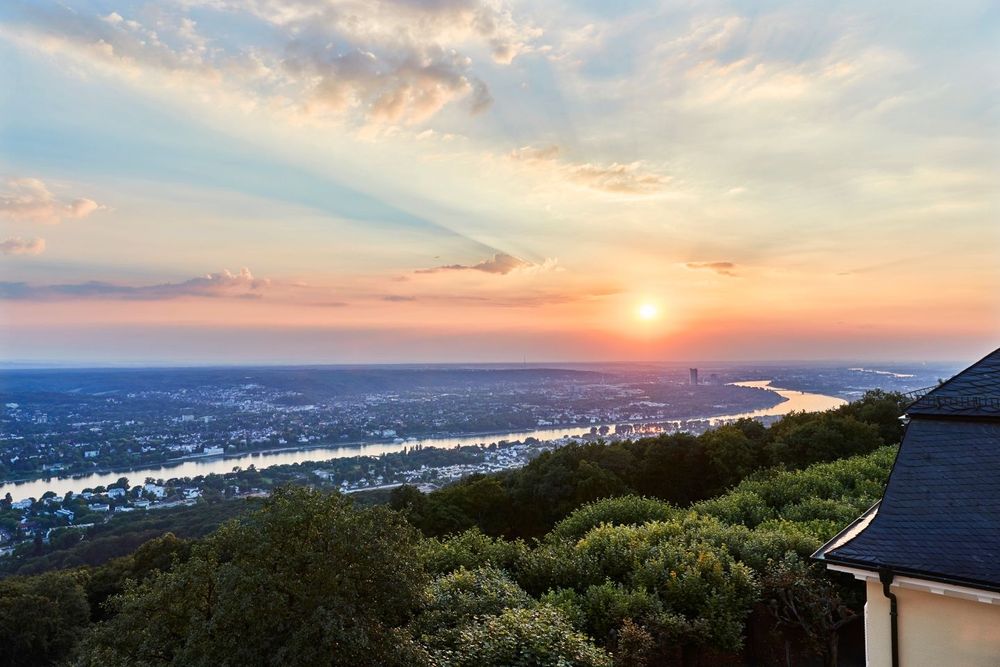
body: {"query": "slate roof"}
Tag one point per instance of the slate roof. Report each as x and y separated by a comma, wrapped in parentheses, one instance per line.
(975, 392)
(939, 518)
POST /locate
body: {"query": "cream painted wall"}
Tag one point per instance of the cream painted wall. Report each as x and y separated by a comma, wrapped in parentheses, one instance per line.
(934, 630)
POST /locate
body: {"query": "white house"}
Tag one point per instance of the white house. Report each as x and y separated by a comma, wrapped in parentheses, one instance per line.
(155, 489)
(929, 551)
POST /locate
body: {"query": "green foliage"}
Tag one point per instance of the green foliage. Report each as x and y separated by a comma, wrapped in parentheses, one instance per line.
(41, 618)
(456, 599)
(677, 468)
(312, 579)
(123, 535)
(803, 597)
(601, 610)
(625, 510)
(677, 577)
(821, 499)
(882, 409)
(157, 555)
(526, 637)
(303, 581)
(472, 549)
(800, 440)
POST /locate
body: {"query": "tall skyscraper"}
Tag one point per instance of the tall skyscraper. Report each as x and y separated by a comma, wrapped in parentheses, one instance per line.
(694, 376)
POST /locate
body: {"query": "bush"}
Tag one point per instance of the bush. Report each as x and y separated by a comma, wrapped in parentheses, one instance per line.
(626, 510)
(457, 598)
(540, 637)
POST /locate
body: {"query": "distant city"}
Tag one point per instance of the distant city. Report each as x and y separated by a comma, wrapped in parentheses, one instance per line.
(63, 429)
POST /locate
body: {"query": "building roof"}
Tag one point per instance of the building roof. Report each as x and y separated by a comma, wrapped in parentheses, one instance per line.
(975, 392)
(939, 517)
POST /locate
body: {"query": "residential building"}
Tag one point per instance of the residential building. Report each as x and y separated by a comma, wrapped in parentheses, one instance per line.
(929, 551)
(155, 489)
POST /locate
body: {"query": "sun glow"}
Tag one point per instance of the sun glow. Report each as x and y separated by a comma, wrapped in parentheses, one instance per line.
(648, 311)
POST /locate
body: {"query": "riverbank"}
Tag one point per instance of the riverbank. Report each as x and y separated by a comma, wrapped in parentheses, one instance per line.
(459, 438)
(788, 401)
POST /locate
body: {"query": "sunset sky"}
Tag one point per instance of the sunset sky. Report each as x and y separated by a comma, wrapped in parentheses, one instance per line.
(350, 181)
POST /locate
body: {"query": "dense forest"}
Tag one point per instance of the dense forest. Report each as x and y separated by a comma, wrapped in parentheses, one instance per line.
(673, 550)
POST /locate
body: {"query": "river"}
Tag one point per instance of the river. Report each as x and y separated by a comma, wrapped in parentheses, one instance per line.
(795, 401)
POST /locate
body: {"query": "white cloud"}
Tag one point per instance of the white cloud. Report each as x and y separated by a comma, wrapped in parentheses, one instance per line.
(633, 178)
(29, 200)
(387, 61)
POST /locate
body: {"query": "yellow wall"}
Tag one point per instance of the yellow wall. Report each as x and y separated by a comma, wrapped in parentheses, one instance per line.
(934, 630)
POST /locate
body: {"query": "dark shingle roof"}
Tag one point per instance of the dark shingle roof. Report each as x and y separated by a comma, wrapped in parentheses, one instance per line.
(940, 515)
(975, 392)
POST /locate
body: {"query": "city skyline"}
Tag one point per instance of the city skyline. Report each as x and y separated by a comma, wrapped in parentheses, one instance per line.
(198, 182)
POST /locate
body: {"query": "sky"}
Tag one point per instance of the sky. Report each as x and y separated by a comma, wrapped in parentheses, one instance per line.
(363, 181)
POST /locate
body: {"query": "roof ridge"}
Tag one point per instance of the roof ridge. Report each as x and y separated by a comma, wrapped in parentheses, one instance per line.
(970, 392)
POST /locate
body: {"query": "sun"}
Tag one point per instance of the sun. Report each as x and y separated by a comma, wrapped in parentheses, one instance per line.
(648, 311)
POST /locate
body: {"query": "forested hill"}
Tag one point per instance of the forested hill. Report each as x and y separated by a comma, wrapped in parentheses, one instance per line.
(616, 579)
(677, 468)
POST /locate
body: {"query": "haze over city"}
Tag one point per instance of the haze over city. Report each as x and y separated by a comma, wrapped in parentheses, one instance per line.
(476, 180)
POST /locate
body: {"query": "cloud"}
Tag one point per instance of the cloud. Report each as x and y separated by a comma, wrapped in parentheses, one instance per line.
(242, 285)
(22, 246)
(500, 264)
(410, 87)
(619, 178)
(393, 61)
(633, 178)
(535, 153)
(29, 200)
(722, 268)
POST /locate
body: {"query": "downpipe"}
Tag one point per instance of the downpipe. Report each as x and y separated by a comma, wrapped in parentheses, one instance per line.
(885, 575)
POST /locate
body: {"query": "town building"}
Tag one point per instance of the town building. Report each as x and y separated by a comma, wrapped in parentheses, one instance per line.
(929, 551)
(155, 489)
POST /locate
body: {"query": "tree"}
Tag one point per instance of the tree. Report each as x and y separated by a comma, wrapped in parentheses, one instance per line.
(800, 441)
(41, 618)
(881, 409)
(731, 454)
(306, 580)
(801, 597)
